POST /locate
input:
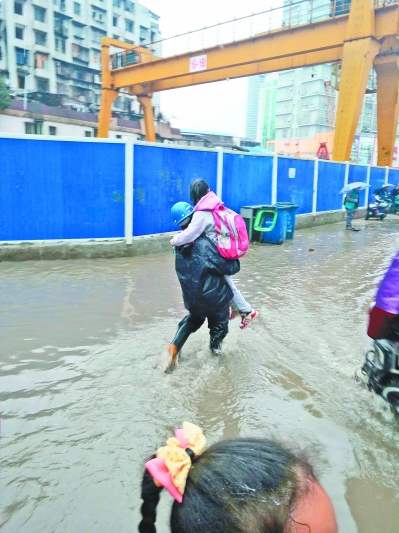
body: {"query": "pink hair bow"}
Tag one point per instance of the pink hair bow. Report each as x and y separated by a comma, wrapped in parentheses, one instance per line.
(172, 464)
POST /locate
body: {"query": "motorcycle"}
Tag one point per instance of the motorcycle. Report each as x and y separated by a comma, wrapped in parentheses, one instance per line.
(381, 366)
(378, 209)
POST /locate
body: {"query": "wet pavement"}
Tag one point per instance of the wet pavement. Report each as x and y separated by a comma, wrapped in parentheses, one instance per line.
(84, 402)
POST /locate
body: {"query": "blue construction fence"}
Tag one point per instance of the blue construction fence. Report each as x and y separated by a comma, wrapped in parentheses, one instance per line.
(52, 189)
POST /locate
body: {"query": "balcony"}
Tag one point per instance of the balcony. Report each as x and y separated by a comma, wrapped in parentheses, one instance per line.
(60, 28)
(80, 54)
(79, 32)
(62, 71)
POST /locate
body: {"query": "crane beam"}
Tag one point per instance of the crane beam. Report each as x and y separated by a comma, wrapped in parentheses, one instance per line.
(355, 39)
(294, 47)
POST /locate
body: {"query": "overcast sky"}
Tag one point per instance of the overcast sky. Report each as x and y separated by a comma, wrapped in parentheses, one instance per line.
(221, 106)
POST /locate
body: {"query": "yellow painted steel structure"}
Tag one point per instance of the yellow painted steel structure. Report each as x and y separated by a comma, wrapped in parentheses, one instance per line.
(367, 36)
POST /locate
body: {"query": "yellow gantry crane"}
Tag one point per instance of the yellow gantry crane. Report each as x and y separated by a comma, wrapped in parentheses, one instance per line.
(367, 35)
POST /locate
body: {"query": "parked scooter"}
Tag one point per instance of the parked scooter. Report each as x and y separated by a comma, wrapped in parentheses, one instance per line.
(378, 209)
(381, 367)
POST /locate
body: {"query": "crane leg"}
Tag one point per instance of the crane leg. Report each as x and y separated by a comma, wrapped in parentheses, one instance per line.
(387, 68)
(146, 102)
(357, 61)
(107, 98)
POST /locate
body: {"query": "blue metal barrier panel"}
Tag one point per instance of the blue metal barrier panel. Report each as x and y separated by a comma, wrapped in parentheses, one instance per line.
(330, 182)
(393, 176)
(247, 180)
(377, 179)
(61, 190)
(162, 177)
(295, 183)
(358, 173)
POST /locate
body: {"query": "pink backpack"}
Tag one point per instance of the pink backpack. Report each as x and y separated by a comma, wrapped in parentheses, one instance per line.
(233, 242)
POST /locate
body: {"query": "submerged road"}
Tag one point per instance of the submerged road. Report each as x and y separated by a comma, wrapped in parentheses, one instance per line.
(84, 401)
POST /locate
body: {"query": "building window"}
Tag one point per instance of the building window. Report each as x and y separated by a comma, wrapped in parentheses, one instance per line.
(116, 3)
(19, 32)
(40, 38)
(41, 61)
(96, 35)
(40, 14)
(129, 6)
(115, 21)
(98, 15)
(60, 26)
(18, 8)
(78, 31)
(87, 133)
(21, 82)
(34, 128)
(129, 26)
(76, 8)
(52, 130)
(42, 85)
(22, 56)
(60, 45)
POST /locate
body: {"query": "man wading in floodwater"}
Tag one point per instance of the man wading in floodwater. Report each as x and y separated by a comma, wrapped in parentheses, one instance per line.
(206, 294)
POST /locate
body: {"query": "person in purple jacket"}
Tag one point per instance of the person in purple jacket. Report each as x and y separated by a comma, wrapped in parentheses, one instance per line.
(202, 221)
(387, 303)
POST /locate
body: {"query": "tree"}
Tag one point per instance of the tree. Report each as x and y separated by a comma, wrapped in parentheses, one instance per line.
(5, 97)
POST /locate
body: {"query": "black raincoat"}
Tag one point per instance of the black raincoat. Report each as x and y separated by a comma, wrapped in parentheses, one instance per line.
(200, 269)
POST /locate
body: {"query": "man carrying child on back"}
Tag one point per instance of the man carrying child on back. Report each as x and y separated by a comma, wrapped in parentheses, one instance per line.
(203, 221)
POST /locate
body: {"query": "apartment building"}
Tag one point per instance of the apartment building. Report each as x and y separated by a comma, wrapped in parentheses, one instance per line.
(306, 104)
(55, 45)
(303, 103)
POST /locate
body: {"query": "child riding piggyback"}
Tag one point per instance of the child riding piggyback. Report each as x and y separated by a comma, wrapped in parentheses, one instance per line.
(205, 201)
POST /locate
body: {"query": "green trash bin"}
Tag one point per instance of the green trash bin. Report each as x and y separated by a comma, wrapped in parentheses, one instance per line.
(291, 215)
(271, 223)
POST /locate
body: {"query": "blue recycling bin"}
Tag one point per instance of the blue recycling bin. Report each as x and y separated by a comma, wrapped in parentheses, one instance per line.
(291, 215)
(271, 223)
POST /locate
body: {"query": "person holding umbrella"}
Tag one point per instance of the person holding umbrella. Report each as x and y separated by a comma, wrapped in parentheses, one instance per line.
(383, 192)
(351, 203)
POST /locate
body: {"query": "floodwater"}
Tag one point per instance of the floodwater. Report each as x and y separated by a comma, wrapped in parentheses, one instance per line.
(84, 402)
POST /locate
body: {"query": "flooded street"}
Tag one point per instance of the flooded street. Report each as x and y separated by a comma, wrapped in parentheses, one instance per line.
(84, 402)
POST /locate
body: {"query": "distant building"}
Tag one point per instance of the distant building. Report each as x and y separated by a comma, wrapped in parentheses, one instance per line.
(262, 93)
(253, 116)
(267, 108)
(54, 46)
(301, 108)
(208, 139)
(39, 119)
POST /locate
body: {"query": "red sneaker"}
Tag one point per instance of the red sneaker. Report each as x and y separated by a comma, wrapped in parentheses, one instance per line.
(247, 318)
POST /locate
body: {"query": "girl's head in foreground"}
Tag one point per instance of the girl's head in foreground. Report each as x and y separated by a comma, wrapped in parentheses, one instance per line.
(235, 486)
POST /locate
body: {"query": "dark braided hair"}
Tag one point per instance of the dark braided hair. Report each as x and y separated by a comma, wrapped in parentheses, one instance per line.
(150, 495)
(235, 486)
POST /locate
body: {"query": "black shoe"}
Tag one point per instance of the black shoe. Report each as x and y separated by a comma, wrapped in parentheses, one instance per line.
(216, 347)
